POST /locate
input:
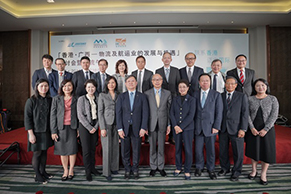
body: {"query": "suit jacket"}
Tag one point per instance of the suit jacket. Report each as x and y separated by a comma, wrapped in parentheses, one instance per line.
(147, 79)
(210, 116)
(58, 113)
(159, 114)
(97, 78)
(39, 74)
(106, 109)
(247, 87)
(79, 79)
(54, 81)
(235, 115)
(174, 78)
(182, 114)
(138, 117)
(194, 84)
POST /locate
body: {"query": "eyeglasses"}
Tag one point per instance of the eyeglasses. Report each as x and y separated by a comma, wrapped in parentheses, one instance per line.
(188, 59)
(156, 80)
(241, 61)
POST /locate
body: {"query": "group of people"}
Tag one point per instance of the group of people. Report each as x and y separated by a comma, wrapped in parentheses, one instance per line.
(186, 102)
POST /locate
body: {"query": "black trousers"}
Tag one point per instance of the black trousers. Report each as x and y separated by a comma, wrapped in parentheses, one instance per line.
(88, 143)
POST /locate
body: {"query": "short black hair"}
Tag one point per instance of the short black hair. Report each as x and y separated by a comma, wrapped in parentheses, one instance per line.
(90, 81)
(130, 77)
(140, 57)
(241, 55)
(265, 82)
(203, 75)
(183, 81)
(47, 56)
(216, 60)
(60, 59)
(106, 90)
(64, 82)
(231, 77)
(85, 57)
(103, 60)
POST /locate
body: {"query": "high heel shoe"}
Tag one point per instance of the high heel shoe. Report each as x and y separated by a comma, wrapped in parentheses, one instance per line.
(252, 177)
(263, 182)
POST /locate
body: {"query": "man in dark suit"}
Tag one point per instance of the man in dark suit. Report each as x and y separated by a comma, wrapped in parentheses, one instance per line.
(245, 77)
(217, 77)
(101, 76)
(207, 124)
(56, 78)
(132, 122)
(47, 61)
(80, 77)
(171, 78)
(191, 72)
(143, 75)
(159, 123)
(233, 128)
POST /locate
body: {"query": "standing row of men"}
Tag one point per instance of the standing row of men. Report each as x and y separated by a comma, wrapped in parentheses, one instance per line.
(204, 87)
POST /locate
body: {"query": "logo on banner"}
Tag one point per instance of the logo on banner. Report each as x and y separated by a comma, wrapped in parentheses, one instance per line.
(100, 43)
(120, 42)
(77, 44)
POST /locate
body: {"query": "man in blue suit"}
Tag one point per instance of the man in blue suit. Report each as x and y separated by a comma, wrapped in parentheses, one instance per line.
(56, 77)
(191, 72)
(101, 76)
(207, 124)
(47, 61)
(233, 128)
(132, 114)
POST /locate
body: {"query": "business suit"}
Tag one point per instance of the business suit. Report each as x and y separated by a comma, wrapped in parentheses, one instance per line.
(182, 115)
(54, 81)
(211, 73)
(67, 135)
(131, 122)
(194, 83)
(247, 86)
(172, 83)
(235, 118)
(208, 117)
(79, 79)
(97, 78)
(39, 74)
(147, 79)
(158, 121)
(110, 144)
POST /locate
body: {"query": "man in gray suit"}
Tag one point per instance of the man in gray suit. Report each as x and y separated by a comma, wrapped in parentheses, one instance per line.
(159, 123)
(217, 77)
(233, 128)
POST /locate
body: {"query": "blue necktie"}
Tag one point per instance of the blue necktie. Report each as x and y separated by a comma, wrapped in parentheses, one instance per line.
(214, 82)
(103, 81)
(131, 100)
(203, 99)
(87, 76)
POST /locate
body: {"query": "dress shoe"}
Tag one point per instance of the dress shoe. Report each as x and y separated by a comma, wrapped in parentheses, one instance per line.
(135, 175)
(234, 178)
(40, 181)
(263, 182)
(64, 178)
(223, 172)
(95, 172)
(198, 172)
(153, 172)
(47, 176)
(89, 177)
(126, 175)
(177, 173)
(212, 175)
(114, 172)
(252, 177)
(163, 173)
(109, 178)
(70, 177)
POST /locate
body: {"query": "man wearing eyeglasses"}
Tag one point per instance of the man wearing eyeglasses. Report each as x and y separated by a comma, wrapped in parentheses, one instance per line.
(191, 72)
(245, 77)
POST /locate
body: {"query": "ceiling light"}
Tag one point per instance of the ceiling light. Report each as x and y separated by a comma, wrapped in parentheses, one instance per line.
(50, 1)
(147, 27)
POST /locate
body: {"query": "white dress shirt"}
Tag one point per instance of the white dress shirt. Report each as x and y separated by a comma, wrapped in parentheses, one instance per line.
(219, 81)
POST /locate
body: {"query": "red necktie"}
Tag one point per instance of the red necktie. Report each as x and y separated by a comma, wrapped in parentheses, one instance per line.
(241, 77)
(61, 73)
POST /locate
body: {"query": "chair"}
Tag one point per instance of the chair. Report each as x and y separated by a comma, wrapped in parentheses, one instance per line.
(6, 147)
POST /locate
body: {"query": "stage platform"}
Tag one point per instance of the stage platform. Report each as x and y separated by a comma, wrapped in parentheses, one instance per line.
(283, 147)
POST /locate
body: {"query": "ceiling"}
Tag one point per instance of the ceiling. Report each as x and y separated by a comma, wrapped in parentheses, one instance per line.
(66, 15)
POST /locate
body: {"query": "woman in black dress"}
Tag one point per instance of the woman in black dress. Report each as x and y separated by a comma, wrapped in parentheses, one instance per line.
(260, 139)
(64, 124)
(36, 121)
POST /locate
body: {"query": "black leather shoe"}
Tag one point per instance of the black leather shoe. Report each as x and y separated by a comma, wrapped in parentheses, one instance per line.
(252, 177)
(223, 172)
(114, 172)
(263, 182)
(212, 175)
(163, 173)
(135, 175)
(41, 181)
(153, 172)
(109, 178)
(64, 178)
(198, 172)
(234, 178)
(47, 176)
(126, 175)
(95, 172)
(89, 177)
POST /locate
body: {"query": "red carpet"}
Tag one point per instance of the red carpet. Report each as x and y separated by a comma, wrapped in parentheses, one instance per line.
(283, 145)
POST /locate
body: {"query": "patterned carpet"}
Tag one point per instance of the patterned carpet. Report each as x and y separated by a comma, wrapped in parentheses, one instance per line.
(18, 179)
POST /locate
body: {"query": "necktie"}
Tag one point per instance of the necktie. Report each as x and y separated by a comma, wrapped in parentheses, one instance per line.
(87, 75)
(189, 75)
(158, 98)
(167, 74)
(61, 73)
(241, 77)
(203, 99)
(139, 82)
(228, 98)
(214, 87)
(61, 78)
(103, 81)
(131, 100)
